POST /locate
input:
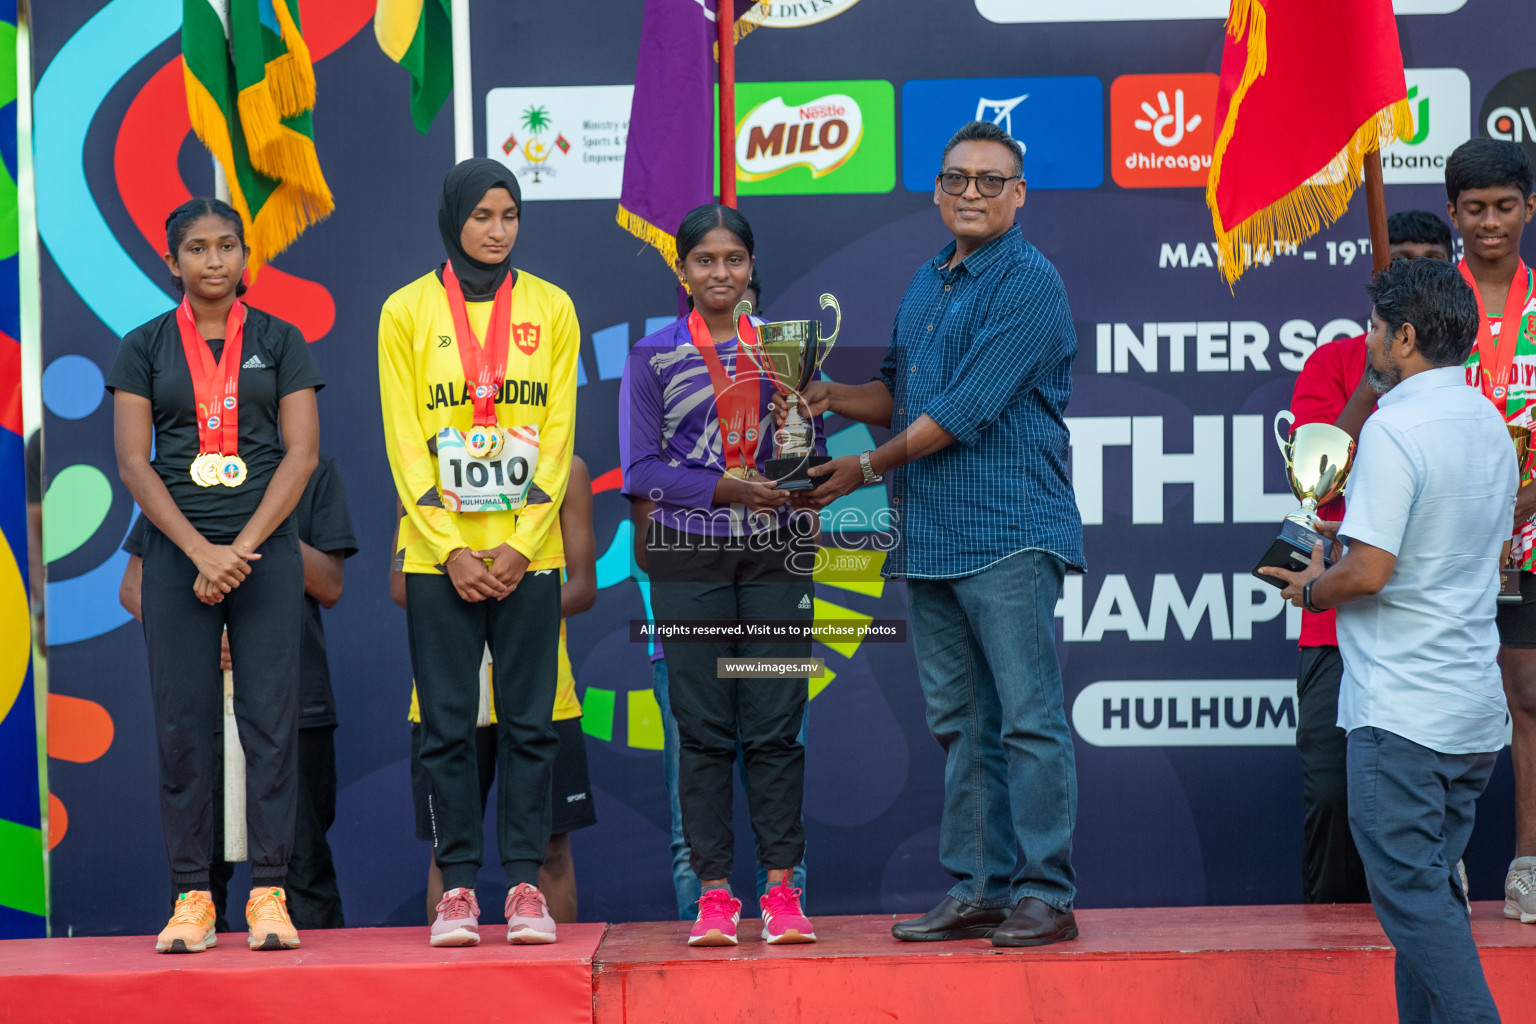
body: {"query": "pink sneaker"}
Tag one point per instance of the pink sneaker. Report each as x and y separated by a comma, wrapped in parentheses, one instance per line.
(458, 919)
(783, 921)
(528, 919)
(719, 913)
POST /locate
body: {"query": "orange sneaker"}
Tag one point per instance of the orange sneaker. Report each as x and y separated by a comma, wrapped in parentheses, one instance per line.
(266, 914)
(191, 927)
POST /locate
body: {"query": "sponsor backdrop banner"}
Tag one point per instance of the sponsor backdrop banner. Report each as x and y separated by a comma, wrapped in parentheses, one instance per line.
(1178, 663)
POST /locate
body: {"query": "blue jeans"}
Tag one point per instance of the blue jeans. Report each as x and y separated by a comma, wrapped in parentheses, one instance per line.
(986, 659)
(1411, 811)
(684, 881)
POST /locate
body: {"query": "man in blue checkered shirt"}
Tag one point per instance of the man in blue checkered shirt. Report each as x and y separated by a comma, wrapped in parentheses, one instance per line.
(974, 386)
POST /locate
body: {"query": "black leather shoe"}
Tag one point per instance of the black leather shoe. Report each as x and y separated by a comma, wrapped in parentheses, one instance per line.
(951, 919)
(1035, 922)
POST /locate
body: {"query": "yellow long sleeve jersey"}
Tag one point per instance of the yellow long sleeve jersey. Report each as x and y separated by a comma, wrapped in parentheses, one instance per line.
(422, 390)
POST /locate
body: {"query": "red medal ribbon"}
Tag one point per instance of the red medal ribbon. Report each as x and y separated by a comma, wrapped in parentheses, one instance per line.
(738, 399)
(484, 366)
(1496, 355)
(218, 400)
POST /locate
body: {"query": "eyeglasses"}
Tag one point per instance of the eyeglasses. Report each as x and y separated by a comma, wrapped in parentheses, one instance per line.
(989, 185)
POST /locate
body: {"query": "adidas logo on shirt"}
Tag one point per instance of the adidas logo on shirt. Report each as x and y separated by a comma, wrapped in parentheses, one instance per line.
(805, 602)
(254, 363)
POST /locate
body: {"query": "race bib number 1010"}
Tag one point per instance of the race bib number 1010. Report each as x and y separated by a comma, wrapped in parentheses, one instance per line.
(498, 483)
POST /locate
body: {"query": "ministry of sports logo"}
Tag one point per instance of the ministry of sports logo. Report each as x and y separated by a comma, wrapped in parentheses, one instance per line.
(536, 124)
(563, 141)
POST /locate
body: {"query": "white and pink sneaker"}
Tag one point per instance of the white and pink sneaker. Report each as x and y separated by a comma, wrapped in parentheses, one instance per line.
(458, 919)
(528, 919)
(719, 913)
(783, 921)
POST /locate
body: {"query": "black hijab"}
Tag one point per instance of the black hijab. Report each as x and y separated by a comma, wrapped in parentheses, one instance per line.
(462, 189)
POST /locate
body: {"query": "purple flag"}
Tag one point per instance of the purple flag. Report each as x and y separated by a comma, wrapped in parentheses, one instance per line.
(669, 160)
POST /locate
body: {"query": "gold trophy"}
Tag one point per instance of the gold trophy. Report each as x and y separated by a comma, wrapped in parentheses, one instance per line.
(790, 353)
(1509, 579)
(1317, 460)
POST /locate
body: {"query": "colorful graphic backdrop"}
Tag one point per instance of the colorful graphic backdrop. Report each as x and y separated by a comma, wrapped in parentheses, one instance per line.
(23, 891)
(1176, 384)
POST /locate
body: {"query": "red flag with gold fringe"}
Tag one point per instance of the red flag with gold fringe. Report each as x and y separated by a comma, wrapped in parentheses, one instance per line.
(1308, 88)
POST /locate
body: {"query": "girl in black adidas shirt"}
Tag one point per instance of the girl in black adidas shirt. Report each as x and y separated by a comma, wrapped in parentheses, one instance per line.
(224, 397)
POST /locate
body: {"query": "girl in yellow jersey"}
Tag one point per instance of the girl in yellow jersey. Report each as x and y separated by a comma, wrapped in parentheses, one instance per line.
(477, 378)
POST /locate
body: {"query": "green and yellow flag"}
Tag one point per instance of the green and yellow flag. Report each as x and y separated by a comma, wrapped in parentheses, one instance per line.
(250, 95)
(417, 35)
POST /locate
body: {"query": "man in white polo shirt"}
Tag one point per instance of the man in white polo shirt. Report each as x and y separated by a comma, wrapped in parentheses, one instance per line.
(1429, 505)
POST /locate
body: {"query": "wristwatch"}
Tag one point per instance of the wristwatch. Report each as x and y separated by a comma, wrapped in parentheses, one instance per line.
(1306, 599)
(870, 476)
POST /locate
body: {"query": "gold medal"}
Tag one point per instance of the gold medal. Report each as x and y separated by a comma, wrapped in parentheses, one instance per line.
(231, 470)
(483, 442)
(204, 470)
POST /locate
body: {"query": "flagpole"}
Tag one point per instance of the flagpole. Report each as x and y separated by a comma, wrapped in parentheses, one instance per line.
(725, 26)
(463, 90)
(1376, 211)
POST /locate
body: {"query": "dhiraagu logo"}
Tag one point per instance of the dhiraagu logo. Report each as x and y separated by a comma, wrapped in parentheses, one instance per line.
(813, 138)
(1441, 102)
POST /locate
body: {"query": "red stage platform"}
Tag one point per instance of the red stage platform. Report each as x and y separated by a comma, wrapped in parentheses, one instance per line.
(337, 977)
(1220, 965)
(1193, 965)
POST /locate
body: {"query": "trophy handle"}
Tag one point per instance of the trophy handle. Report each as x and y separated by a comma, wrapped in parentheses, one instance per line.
(743, 308)
(829, 301)
(752, 349)
(1283, 440)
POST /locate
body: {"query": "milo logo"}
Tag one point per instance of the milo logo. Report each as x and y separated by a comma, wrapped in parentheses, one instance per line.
(815, 138)
(820, 135)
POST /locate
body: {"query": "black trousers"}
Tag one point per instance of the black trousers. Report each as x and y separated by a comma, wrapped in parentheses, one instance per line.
(448, 637)
(264, 616)
(1331, 871)
(314, 900)
(694, 577)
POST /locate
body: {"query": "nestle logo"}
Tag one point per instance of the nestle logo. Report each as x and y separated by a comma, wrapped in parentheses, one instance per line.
(824, 110)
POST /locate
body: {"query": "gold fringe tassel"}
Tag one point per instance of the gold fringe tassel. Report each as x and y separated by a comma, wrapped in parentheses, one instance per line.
(283, 217)
(291, 77)
(1318, 201)
(651, 235)
(287, 89)
(743, 27)
(210, 126)
(295, 204)
(277, 150)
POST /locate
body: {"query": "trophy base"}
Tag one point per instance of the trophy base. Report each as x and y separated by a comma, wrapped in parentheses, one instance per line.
(1291, 550)
(1509, 587)
(791, 473)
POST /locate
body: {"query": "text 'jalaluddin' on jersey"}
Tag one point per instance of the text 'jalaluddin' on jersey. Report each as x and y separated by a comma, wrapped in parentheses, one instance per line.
(422, 391)
(513, 392)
